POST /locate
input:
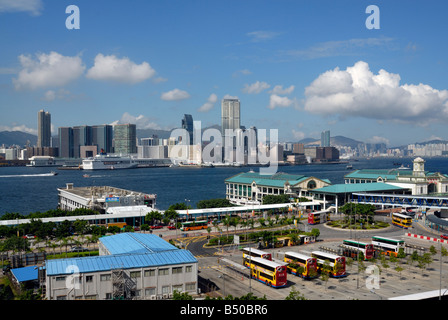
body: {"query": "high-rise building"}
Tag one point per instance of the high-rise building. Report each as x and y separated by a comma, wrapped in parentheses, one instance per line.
(187, 124)
(43, 129)
(65, 142)
(82, 136)
(230, 118)
(125, 138)
(102, 136)
(325, 138)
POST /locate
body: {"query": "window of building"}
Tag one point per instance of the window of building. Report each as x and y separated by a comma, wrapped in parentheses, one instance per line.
(89, 279)
(189, 269)
(105, 277)
(150, 291)
(164, 272)
(165, 289)
(190, 286)
(150, 273)
(135, 274)
(62, 278)
(178, 288)
(177, 270)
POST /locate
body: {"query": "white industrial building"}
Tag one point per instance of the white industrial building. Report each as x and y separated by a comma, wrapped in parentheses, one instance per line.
(130, 266)
(101, 198)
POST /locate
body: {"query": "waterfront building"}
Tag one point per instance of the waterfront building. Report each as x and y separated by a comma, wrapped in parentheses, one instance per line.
(187, 124)
(417, 180)
(250, 187)
(100, 198)
(65, 142)
(230, 120)
(43, 129)
(125, 138)
(102, 136)
(325, 138)
(133, 266)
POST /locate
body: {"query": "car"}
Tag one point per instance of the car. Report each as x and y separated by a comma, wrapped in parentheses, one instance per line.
(156, 227)
(444, 236)
(171, 227)
(79, 249)
(29, 236)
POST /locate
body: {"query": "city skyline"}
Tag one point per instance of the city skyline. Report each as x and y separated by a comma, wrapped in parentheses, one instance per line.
(296, 66)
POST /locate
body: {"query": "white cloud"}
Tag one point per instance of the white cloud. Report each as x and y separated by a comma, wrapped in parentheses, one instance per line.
(278, 89)
(340, 48)
(209, 104)
(282, 102)
(34, 7)
(256, 87)
(243, 72)
(175, 94)
(228, 96)
(358, 92)
(111, 68)
(298, 135)
(16, 127)
(257, 36)
(48, 70)
(377, 139)
(141, 121)
(61, 94)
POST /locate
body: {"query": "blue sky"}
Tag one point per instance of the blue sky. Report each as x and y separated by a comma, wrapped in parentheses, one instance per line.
(297, 66)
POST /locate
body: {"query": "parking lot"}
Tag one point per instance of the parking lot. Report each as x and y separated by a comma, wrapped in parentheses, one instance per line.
(356, 285)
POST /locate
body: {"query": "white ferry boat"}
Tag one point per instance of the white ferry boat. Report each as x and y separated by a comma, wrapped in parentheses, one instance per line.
(108, 162)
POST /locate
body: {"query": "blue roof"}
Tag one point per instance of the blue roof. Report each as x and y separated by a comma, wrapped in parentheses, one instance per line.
(276, 180)
(25, 274)
(135, 243)
(122, 261)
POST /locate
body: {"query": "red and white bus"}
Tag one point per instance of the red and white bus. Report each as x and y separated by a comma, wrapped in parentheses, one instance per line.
(336, 263)
(268, 272)
(352, 248)
(298, 260)
(318, 217)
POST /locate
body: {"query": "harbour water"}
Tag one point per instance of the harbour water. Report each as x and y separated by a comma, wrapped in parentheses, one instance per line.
(25, 190)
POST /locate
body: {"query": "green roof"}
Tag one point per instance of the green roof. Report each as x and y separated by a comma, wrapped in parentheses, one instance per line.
(276, 180)
(373, 174)
(357, 187)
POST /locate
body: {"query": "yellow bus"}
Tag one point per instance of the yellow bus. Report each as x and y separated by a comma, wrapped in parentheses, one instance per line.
(401, 220)
(268, 272)
(297, 260)
(335, 262)
(194, 225)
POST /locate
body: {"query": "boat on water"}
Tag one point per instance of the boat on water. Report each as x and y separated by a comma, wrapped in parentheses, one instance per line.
(108, 162)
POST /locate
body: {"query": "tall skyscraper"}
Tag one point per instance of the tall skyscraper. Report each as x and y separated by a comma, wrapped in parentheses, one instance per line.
(43, 129)
(187, 124)
(325, 138)
(102, 136)
(230, 117)
(125, 138)
(65, 142)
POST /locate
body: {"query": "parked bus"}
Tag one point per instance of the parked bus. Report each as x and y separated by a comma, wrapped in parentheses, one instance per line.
(352, 248)
(401, 220)
(296, 260)
(194, 225)
(336, 263)
(249, 253)
(387, 246)
(268, 272)
(318, 217)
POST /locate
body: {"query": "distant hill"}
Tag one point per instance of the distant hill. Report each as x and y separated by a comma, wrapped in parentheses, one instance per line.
(334, 141)
(19, 138)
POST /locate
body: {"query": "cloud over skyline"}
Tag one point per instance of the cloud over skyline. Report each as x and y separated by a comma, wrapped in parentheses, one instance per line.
(358, 92)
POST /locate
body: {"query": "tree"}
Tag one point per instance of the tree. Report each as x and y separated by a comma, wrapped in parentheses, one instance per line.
(276, 199)
(295, 295)
(153, 216)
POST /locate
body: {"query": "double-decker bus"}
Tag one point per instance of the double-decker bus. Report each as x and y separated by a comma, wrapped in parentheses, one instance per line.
(318, 217)
(387, 246)
(336, 263)
(268, 272)
(194, 225)
(249, 253)
(297, 260)
(352, 248)
(401, 220)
